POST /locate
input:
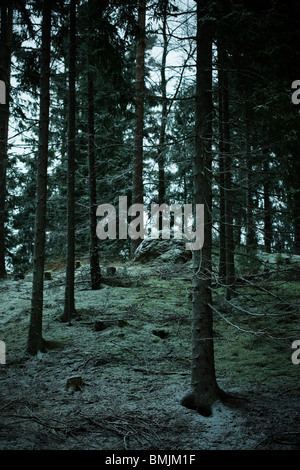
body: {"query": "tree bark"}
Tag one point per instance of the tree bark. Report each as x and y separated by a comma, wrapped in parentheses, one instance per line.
(5, 69)
(36, 342)
(137, 181)
(222, 205)
(267, 209)
(222, 232)
(94, 254)
(250, 228)
(227, 179)
(295, 189)
(164, 113)
(69, 307)
(204, 389)
(296, 214)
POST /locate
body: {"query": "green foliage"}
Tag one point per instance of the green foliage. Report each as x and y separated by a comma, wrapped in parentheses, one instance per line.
(259, 72)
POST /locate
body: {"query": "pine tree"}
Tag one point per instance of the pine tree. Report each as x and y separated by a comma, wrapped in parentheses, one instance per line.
(94, 254)
(164, 113)
(226, 203)
(69, 308)
(137, 171)
(5, 71)
(204, 389)
(36, 342)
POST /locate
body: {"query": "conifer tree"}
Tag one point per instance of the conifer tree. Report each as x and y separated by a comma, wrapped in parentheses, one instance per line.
(5, 71)
(36, 342)
(137, 170)
(94, 254)
(69, 308)
(204, 389)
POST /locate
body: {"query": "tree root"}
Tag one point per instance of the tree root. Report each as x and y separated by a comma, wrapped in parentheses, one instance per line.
(192, 402)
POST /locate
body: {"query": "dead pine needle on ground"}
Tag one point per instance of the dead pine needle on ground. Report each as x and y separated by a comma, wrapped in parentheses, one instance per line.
(114, 378)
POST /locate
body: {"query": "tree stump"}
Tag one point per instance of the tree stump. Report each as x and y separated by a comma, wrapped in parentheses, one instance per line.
(74, 383)
(111, 271)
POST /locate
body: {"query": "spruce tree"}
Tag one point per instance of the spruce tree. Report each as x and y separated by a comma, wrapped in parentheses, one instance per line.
(69, 307)
(5, 72)
(36, 342)
(204, 389)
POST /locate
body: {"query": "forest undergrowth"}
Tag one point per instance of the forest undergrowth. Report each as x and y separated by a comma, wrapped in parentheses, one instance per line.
(114, 378)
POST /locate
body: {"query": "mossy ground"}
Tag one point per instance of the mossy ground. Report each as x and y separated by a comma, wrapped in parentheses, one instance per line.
(137, 369)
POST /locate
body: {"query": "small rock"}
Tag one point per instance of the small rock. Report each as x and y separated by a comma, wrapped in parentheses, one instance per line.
(100, 325)
(161, 333)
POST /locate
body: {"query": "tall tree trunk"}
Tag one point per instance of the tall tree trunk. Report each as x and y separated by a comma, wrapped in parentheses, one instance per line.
(164, 113)
(295, 187)
(267, 209)
(222, 205)
(229, 242)
(250, 229)
(94, 254)
(5, 67)
(36, 342)
(69, 307)
(137, 181)
(296, 213)
(204, 388)
(222, 227)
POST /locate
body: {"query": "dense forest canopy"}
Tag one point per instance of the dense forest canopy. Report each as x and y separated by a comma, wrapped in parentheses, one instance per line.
(170, 102)
(259, 42)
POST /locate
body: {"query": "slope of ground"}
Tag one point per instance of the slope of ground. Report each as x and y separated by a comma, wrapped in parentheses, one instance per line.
(130, 346)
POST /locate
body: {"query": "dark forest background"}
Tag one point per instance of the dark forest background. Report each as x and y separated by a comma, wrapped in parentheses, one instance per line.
(255, 144)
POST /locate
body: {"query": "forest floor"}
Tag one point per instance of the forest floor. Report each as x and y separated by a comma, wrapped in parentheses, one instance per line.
(130, 348)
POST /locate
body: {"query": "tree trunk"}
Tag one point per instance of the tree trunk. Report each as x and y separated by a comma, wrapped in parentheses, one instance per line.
(250, 228)
(222, 209)
(294, 182)
(222, 232)
(137, 182)
(69, 308)
(164, 112)
(267, 209)
(5, 67)
(297, 222)
(94, 254)
(229, 241)
(204, 389)
(35, 339)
